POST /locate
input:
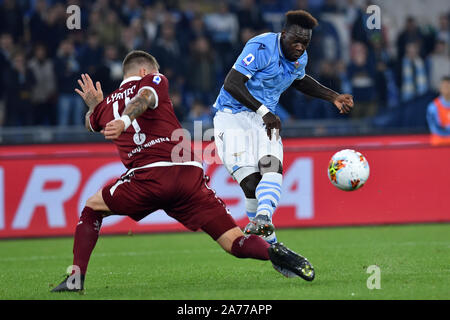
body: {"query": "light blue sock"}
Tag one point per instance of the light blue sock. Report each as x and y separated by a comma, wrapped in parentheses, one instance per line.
(251, 205)
(268, 193)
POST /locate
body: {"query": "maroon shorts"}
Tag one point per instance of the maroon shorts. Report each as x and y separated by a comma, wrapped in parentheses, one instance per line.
(180, 190)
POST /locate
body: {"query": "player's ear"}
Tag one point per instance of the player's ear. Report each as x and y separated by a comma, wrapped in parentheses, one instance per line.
(143, 72)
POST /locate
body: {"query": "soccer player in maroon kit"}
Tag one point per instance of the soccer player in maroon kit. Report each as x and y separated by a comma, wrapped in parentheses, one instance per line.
(139, 118)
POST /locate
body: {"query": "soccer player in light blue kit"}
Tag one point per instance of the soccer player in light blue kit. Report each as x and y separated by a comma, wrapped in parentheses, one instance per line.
(246, 127)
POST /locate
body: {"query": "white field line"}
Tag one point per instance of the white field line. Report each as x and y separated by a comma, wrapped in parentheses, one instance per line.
(106, 254)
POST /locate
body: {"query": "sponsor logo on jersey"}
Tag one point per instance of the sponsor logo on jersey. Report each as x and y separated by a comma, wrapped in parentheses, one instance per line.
(139, 138)
(156, 79)
(248, 59)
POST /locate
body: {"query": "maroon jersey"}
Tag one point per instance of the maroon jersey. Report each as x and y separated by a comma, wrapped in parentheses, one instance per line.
(148, 138)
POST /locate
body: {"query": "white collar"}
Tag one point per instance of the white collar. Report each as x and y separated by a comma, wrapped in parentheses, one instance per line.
(279, 46)
(132, 78)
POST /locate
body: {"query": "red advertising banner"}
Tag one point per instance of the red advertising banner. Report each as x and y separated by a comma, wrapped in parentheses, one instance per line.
(43, 188)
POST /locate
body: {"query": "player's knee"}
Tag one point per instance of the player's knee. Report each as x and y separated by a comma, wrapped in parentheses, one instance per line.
(249, 184)
(96, 202)
(270, 164)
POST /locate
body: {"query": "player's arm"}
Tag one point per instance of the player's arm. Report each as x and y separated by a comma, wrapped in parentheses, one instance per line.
(235, 85)
(91, 95)
(144, 100)
(311, 87)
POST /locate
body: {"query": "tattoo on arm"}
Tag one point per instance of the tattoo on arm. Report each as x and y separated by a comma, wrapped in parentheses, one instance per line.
(311, 87)
(235, 85)
(137, 106)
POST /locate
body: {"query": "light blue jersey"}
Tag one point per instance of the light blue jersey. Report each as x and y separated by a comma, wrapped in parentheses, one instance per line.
(269, 73)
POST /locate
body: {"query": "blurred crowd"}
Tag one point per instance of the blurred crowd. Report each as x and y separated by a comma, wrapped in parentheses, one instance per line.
(196, 42)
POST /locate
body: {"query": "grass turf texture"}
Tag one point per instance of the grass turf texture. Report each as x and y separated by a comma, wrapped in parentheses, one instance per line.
(414, 262)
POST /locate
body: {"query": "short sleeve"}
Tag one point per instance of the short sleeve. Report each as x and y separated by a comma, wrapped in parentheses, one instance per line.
(253, 58)
(153, 82)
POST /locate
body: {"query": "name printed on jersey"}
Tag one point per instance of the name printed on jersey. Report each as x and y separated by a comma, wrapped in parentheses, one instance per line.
(121, 95)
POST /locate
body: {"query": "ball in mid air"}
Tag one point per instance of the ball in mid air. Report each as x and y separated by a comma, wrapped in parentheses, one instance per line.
(348, 170)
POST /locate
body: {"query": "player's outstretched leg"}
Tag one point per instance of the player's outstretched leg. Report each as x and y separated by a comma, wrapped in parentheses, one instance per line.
(285, 261)
(289, 263)
(86, 235)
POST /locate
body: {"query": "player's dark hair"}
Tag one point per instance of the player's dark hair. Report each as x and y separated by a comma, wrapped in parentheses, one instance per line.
(300, 18)
(136, 58)
(446, 78)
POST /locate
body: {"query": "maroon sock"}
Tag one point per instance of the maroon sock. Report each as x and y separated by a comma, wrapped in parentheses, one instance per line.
(250, 247)
(86, 235)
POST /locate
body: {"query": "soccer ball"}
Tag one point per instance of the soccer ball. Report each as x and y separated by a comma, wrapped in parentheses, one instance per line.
(348, 170)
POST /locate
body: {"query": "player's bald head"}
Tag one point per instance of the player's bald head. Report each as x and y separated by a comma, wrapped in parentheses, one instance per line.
(138, 59)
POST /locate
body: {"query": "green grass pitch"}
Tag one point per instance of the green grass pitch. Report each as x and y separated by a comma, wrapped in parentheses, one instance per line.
(414, 261)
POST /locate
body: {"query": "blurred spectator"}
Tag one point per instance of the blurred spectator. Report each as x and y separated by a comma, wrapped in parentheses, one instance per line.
(109, 29)
(167, 51)
(386, 87)
(361, 74)
(131, 9)
(11, 18)
(139, 33)
(438, 115)
(150, 24)
(412, 74)
(200, 112)
(91, 53)
(249, 15)
(330, 6)
(197, 29)
(443, 32)
(411, 33)
(109, 72)
(37, 25)
(6, 49)
(44, 90)
(70, 106)
(177, 103)
(57, 29)
(224, 28)
(439, 63)
(18, 82)
(201, 73)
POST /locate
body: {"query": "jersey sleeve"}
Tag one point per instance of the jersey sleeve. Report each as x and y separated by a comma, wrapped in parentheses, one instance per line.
(94, 118)
(253, 58)
(156, 83)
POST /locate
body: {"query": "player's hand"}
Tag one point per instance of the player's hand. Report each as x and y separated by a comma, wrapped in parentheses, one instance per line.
(91, 95)
(272, 122)
(113, 129)
(344, 102)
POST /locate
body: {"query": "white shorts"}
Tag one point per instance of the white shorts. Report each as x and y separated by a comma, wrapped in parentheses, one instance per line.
(241, 140)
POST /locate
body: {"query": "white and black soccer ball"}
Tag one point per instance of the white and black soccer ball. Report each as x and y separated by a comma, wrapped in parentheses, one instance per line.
(348, 170)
